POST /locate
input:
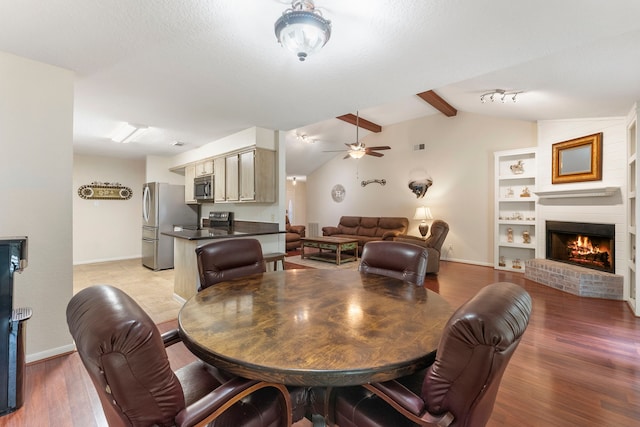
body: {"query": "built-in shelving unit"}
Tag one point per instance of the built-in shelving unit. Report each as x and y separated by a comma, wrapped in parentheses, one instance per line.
(515, 208)
(632, 211)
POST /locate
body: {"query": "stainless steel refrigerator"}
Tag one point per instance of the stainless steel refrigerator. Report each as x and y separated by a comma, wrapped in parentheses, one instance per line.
(163, 207)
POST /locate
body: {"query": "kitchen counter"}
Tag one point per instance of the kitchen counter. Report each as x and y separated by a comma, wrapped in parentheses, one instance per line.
(185, 242)
(240, 229)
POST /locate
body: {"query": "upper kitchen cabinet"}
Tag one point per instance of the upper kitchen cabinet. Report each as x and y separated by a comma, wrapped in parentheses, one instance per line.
(257, 176)
(246, 176)
(231, 178)
(219, 187)
(204, 167)
(189, 175)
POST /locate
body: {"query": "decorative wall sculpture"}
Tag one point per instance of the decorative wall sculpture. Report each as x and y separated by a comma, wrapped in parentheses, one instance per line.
(105, 191)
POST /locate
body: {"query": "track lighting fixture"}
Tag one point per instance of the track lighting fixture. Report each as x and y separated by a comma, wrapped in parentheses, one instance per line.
(500, 94)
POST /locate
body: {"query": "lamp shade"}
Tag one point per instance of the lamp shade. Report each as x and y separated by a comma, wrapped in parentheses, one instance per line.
(423, 213)
(356, 154)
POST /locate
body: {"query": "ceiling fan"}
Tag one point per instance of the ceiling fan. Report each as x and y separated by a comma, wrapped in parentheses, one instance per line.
(358, 149)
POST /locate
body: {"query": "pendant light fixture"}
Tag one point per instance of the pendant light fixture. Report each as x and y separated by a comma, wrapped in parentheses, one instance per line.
(302, 29)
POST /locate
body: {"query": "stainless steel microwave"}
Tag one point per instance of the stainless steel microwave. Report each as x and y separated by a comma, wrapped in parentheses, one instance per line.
(203, 188)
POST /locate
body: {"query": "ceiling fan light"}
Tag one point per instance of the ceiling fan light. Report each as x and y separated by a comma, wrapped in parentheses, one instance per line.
(356, 154)
(302, 29)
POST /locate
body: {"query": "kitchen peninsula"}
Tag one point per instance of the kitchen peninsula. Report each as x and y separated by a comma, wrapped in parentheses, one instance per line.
(186, 280)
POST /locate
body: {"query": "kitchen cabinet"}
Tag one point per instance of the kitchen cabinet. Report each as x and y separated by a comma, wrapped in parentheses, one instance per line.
(204, 167)
(232, 189)
(189, 175)
(246, 176)
(219, 187)
(257, 176)
(515, 208)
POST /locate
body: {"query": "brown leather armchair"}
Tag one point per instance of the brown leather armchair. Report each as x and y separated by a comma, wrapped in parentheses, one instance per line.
(400, 260)
(293, 235)
(433, 243)
(228, 259)
(125, 356)
(460, 387)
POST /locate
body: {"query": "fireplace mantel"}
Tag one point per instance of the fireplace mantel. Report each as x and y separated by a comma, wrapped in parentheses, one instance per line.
(582, 192)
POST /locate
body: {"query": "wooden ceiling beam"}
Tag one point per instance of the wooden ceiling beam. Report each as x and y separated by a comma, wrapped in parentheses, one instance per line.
(438, 103)
(364, 124)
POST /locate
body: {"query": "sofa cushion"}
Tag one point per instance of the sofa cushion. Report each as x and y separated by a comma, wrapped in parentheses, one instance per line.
(368, 226)
(349, 225)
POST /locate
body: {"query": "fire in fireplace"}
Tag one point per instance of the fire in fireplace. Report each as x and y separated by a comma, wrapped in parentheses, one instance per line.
(584, 244)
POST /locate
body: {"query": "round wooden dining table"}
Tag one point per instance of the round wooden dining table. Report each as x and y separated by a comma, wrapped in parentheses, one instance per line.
(315, 327)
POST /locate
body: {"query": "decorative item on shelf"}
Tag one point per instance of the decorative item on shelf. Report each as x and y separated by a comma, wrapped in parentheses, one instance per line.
(525, 192)
(105, 191)
(510, 235)
(423, 213)
(502, 262)
(509, 193)
(516, 264)
(302, 29)
(526, 238)
(382, 182)
(517, 168)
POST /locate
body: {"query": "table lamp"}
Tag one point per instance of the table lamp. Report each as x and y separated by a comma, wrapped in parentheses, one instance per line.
(423, 213)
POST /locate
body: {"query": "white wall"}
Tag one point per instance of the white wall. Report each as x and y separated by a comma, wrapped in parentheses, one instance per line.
(458, 157)
(608, 210)
(107, 230)
(36, 133)
(157, 170)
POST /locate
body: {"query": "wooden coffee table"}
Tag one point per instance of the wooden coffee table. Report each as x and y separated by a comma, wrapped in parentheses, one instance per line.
(330, 249)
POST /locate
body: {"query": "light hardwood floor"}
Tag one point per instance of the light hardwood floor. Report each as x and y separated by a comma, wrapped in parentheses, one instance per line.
(578, 363)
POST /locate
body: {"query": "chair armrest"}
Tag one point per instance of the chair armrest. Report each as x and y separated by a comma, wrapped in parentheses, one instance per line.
(171, 337)
(328, 231)
(298, 229)
(410, 239)
(216, 402)
(407, 403)
(391, 234)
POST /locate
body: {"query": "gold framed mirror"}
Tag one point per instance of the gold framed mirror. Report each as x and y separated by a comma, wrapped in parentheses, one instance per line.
(577, 160)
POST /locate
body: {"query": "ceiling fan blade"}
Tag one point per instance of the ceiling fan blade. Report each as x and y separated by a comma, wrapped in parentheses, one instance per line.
(334, 151)
(373, 153)
(346, 157)
(384, 147)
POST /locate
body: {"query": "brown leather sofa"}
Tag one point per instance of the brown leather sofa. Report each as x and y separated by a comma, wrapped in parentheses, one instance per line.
(433, 243)
(368, 229)
(294, 234)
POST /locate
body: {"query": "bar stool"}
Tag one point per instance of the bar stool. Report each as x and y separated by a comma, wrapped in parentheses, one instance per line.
(274, 257)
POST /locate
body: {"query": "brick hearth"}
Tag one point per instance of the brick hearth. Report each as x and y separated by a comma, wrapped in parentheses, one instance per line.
(576, 280)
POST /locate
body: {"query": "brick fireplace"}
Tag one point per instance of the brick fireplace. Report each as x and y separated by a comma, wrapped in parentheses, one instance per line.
(579, 259)
(590, 245)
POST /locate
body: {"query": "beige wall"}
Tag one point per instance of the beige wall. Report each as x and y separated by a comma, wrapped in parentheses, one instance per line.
(106, 230)
(458, 157)
(36, 134)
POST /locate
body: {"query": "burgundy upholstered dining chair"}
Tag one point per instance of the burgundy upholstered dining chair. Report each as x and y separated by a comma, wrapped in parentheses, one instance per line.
(228, 259)
(125, 355)
(400, 260)
(459, 389)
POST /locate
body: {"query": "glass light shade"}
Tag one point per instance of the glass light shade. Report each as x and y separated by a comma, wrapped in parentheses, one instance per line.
(356, 154)
(302, 32)
(128, 132)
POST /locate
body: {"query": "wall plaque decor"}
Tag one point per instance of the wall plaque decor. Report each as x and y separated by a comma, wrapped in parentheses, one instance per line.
(337, 193)
(105, 191)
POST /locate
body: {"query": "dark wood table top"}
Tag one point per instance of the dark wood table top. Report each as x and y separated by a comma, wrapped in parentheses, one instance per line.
(315, 327)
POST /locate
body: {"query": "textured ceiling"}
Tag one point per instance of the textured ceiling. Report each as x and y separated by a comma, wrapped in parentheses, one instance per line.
(197, 71)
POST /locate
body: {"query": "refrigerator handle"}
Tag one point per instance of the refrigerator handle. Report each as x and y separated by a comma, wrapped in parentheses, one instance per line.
(146, 201)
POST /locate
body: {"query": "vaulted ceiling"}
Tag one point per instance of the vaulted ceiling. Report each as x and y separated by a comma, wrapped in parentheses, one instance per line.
(200, 70)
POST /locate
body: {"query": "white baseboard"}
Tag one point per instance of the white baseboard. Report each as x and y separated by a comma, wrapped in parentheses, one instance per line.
(466, 261)
(34, 357)
(93, 261)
